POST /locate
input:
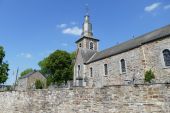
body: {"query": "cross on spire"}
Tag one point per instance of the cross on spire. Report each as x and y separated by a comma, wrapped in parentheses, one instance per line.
(87, 9)
(87, 26)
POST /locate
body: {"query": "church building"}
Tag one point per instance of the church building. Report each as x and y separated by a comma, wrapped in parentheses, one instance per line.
(123, 64)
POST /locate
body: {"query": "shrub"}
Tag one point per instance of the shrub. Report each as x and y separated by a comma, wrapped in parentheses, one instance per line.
(9, 88)
(48, 82)
(39, 84)
(149, 75)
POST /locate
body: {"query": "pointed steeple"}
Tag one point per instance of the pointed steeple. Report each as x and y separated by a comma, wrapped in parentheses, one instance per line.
(87, 41)
(87, 26)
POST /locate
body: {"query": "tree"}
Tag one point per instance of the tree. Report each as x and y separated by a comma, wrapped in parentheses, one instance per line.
(73, 55)
(58, 66)
(44, 70)
(26, 72)
(3, 67)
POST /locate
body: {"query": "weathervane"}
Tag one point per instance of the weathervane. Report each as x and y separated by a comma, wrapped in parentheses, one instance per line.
(87, 9)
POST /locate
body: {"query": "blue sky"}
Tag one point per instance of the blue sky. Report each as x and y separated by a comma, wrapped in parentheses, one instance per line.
(31, 29)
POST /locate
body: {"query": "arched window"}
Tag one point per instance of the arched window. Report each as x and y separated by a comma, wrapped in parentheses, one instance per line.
(78, 72)
(91, 45)
(123, 66)
(105, 69)
(166, 54)
(91, 72)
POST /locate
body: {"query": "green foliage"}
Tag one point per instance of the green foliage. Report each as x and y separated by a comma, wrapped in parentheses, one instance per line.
(26, 72)
(39, 84)
(49, 80)
(44, 70)
(3, 67)
(149, 75)
(58, 66)
(9, 88)
(73, 55)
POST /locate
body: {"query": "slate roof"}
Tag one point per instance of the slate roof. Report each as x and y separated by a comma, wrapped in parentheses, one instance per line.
(131, 44)
(28, 75)
(86, 54)
(92, 38)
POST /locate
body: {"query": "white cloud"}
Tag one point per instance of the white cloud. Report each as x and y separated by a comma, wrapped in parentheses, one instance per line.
(25, 55)
(28, 55)
(62, 25)
(166, 7)
(152, 7)
(64, 44)
(72, 31)
(73, 23)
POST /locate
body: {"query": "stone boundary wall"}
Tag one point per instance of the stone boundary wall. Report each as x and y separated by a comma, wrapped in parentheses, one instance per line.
(112, 99)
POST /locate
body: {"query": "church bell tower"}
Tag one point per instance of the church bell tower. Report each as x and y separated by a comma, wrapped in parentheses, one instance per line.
(87, 41)
(87, 46)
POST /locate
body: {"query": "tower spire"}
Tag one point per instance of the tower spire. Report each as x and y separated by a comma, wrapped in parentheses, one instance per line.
(87, 26)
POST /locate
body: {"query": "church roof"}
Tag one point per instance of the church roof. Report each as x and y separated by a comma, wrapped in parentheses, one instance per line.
(131, 44)
(29, 74)
(91, 37)
(86, 54)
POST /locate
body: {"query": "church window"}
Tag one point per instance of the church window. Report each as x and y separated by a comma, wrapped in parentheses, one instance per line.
(123, 66)
(105, 69)
(166, 55)
(78, 70)
(91, 46)
(91, 72)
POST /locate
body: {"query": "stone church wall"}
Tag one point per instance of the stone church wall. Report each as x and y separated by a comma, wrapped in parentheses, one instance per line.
(154, 59)
(134, 68)
(138, 60)
(113, 99)
(79, 61)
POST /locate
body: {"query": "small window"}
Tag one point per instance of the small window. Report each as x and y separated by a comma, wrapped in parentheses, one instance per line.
(123, 66)
(105, 69)
(166, 55)
(91, 45)
(78, 70)
(80, 45)
(91, 72)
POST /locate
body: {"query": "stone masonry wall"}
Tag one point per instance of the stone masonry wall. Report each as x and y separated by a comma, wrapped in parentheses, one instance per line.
(138, 61)
(154, 59)
(134, 68)
(111, 99)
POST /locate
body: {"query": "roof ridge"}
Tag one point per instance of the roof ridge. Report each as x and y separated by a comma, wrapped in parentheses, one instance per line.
(30, 73)
(138, 37)
(132, 43)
